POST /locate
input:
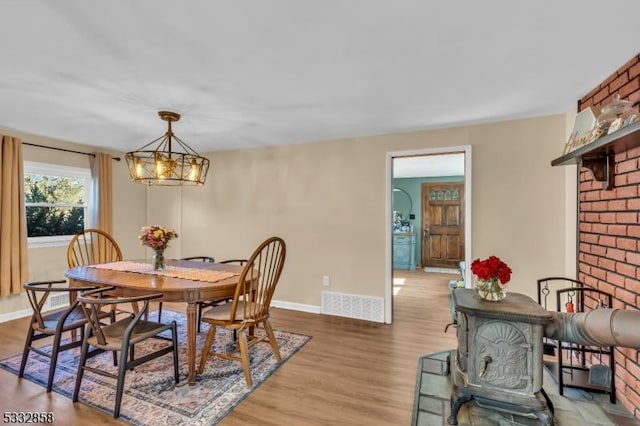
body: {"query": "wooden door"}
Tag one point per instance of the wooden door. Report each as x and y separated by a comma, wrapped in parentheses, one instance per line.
(442, 224)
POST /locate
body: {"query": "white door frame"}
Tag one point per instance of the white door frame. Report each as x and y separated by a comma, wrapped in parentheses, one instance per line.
(466, 149)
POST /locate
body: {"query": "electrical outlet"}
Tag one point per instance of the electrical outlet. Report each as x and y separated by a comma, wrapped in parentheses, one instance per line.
(326, 281)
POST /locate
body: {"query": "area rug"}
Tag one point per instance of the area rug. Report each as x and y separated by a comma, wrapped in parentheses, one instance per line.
(150, 395)
(442, 270)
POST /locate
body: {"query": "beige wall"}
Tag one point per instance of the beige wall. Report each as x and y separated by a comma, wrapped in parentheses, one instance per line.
(519, 199)
(571, 205)
(129, 214)
(328, 201)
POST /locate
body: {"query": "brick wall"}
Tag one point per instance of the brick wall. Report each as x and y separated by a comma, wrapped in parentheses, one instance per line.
(625, 81)
(609, 229)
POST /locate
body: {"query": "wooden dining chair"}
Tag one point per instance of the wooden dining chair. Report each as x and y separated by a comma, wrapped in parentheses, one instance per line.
(240, 262)
(208, 303)
(54, 323)
(203, 304)
(250, 305)
(92, 246)
(121, 336)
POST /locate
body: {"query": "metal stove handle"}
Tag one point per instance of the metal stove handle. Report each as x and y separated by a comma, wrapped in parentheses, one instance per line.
(484, 363)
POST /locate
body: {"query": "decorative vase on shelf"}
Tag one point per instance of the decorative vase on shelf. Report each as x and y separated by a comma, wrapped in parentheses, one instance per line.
(157, 260)
(491, 289)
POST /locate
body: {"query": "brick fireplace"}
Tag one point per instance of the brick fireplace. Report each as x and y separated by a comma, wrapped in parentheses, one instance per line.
(609, 229)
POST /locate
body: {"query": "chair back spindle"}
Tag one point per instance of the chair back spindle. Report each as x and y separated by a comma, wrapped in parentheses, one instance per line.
(257, 281)
(92, 246)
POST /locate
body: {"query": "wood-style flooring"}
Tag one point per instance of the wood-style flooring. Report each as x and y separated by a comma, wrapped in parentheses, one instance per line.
(350, 373)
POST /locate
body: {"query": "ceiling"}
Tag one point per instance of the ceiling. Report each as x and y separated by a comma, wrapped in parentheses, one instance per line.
(429, 166)
(256, 73)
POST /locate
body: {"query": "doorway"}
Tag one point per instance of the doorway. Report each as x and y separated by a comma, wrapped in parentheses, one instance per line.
(440, 224)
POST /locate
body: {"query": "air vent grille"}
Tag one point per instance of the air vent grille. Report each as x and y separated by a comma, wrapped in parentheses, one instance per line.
(57, 300)
(353, 306)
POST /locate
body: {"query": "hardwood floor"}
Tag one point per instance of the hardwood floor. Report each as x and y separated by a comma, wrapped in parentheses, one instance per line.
(350, 373)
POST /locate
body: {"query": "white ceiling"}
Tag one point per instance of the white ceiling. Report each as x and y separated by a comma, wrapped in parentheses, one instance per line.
(429, 166)
(257, 73)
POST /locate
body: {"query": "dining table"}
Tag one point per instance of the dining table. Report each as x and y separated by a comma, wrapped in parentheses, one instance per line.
(183, 281)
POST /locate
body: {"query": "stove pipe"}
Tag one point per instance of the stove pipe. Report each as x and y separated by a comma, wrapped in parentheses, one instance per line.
(598, 327)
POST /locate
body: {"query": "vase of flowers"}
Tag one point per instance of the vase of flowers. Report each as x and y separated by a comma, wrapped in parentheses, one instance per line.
(157, 238)
(492, 276)
(157, 260)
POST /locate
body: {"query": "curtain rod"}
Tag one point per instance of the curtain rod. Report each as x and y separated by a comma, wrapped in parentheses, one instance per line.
(65, 150)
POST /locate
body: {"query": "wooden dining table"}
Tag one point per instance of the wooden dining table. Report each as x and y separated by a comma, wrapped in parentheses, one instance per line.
(173, 289)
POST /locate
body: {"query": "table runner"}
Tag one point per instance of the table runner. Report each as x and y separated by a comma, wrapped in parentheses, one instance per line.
(194, 274)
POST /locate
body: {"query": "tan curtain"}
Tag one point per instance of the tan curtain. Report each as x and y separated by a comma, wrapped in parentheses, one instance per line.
(101, 172)
(14, 268)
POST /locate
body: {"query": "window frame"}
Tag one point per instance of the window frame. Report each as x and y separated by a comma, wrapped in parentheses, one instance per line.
(49, 169)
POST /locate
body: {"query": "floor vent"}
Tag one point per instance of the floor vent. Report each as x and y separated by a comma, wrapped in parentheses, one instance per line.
(58, 300)
(353, 306)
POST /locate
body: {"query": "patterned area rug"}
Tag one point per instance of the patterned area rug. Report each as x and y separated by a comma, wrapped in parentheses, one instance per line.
(151, 396)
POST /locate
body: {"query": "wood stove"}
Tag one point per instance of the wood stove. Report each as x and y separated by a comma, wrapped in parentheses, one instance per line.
(498, 362)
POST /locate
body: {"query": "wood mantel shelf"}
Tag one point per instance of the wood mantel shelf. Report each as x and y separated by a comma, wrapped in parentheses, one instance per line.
(598, 156)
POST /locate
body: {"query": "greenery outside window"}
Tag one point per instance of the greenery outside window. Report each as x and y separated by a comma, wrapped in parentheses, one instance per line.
(57, 202)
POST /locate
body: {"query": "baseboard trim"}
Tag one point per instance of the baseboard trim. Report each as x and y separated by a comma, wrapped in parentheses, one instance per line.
(312, 309)
(9, 316)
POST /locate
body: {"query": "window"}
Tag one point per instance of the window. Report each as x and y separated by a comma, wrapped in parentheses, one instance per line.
(57, 202)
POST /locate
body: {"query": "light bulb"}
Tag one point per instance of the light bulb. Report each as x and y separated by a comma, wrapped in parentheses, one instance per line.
(194, 171)
(138, 167)
(160, 169)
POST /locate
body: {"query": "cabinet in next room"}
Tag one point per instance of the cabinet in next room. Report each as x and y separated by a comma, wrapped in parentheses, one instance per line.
(404, 251)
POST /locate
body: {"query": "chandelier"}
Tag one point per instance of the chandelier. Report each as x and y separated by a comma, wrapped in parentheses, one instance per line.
(167, 160)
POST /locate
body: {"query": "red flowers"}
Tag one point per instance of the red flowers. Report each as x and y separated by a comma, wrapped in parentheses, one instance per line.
(491, 269)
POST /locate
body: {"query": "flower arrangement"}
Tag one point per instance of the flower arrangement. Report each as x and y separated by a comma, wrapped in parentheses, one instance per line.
(491, 268)
(157, 237)
(493, 275)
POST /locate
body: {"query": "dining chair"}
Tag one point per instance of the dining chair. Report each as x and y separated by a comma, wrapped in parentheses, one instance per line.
(201, 305)
(240, 262)
(121, 336)
(208, 303)
(54, 323)
(92, 246)
(200, 258)
(249, 307)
